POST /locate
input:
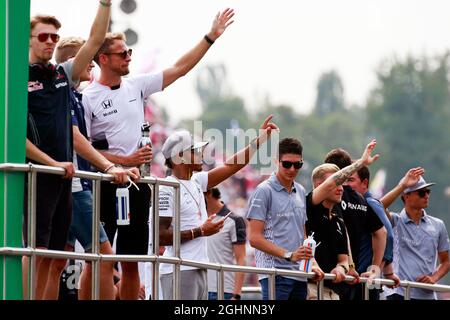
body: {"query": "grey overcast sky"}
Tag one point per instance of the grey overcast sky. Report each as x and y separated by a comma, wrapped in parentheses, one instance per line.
(275, 48)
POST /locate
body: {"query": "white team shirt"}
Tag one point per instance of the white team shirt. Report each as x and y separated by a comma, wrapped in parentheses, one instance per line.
(193, 249)
(117, 115)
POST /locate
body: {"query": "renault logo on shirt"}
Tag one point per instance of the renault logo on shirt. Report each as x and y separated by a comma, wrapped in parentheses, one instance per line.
(107, 104)
(352, 206)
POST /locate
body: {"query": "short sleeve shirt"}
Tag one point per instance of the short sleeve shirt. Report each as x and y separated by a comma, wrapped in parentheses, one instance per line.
(114, 117)
(284, 215)
(329, 231)
(360, 219)
(192, 213)
(416, 248)
(221, 247)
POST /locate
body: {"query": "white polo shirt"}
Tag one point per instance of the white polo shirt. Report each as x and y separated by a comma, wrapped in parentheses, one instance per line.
(117, 115)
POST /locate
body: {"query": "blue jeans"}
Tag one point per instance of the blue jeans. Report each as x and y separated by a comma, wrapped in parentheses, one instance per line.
(285, 289)
(213, 295)
(81, 226)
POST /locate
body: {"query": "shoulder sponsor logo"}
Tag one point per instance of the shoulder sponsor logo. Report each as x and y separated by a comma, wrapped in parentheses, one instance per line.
(61, 85)
(35, 86)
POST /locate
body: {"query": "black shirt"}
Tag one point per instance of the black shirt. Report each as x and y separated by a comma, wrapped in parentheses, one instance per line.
(49, 118)
(359, 218)
(329, 231)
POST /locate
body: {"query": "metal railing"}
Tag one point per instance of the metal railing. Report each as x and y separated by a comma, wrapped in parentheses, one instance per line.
(96, 257)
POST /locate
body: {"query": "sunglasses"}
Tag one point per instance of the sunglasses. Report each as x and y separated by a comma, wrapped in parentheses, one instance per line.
(288, 164)
(122, 54)
(43, 37)
(423, 192)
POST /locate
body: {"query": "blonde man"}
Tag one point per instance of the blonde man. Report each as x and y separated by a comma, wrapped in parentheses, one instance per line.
(325, 220)
(81, 226)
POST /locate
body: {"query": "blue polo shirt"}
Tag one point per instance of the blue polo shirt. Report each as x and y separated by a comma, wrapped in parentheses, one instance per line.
(284, 215)
(365, 251)
(416, 249)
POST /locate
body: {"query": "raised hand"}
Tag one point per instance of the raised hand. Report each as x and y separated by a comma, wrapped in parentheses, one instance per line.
(367, 157)
(266, 129)
(412, 177)
(220, 23)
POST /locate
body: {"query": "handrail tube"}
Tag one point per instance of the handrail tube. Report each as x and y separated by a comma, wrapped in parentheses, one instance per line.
(96, 257)
(32, 177)
(177, 244)
(96, 196)
(220, 284)
(155, 239)
(78, 173)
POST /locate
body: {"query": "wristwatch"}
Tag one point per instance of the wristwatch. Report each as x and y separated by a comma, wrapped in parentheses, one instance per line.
(288, 256)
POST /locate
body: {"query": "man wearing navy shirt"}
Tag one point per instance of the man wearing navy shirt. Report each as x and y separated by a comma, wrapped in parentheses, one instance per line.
(49, 138)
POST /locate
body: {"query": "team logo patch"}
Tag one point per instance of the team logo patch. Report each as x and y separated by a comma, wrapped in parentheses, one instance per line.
(107, 104)
(35, 86)
(343, 205)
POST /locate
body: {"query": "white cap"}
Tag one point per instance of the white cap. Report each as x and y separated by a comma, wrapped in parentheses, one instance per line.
(178, 142)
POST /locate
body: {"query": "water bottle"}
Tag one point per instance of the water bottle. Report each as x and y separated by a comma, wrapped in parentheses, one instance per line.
(123, 206)
(145, 141)
(306, 264)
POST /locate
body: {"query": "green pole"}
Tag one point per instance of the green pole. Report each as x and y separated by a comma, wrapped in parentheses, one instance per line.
(14, 39)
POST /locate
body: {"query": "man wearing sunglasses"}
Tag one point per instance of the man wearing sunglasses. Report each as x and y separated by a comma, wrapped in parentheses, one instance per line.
(277, 217)
(184, 156)
(114, 116)
(420, 240)
(49, 137)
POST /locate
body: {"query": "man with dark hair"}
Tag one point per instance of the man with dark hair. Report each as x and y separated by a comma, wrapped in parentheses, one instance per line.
(114, 116)
(359, 182)
(225, 247)
(49, 137)
(360, 221)
(277, 217)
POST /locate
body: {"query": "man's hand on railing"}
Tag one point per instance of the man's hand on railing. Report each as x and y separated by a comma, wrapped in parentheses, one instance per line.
(209, 227)
(352, 272)
(121, 175)
(393, 277)
(340, 274)
(68, 166)
(319, 274)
